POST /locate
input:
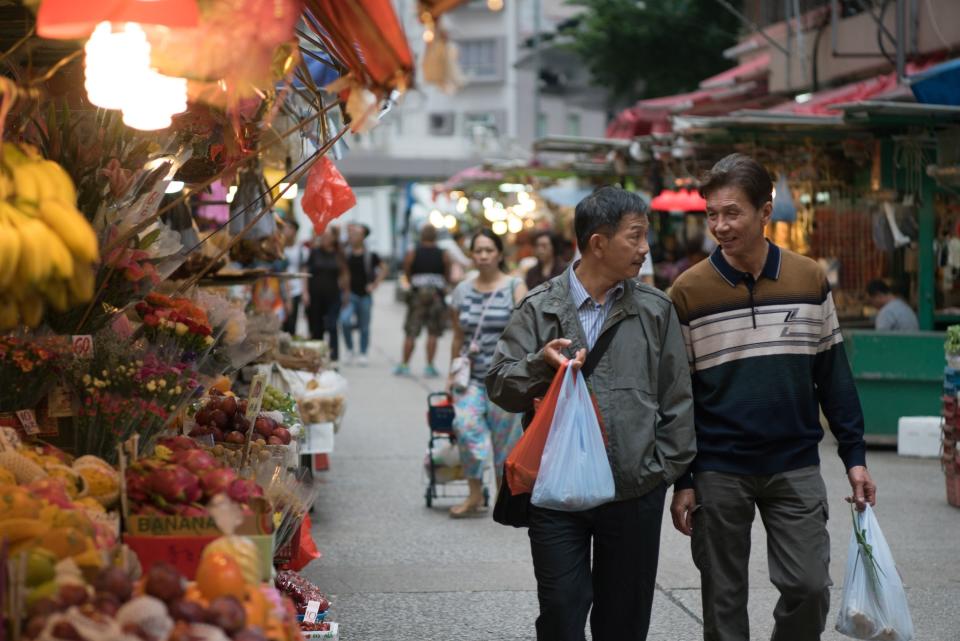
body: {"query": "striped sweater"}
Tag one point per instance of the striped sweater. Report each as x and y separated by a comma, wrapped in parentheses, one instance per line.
(765, 356)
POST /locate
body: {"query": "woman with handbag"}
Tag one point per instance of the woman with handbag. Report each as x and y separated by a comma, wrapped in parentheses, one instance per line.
(480, 310)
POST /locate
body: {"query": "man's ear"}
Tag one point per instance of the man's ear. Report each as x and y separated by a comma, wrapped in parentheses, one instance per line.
(766, 212)
(597, 243)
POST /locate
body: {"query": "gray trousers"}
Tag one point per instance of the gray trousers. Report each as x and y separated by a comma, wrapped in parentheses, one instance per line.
(793, 507)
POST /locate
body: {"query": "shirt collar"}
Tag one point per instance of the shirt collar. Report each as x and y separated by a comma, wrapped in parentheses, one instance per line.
(580, 294)
(733, 276)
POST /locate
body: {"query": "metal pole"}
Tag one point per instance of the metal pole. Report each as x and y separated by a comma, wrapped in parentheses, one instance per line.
(927, 271)
(901, 40)
(536, 70)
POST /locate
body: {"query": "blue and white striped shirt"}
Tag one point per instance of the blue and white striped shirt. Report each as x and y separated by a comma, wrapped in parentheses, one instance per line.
(591, 315)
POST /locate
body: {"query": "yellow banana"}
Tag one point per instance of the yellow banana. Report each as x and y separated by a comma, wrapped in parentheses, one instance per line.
(73, 229)
(6, 186)
(9, 252)
(81, 285)
(31, 311)
(34, 265)
(56, 293)
(13, 155)
(47, 185)
(8, 314)
(60, 256)
(64, 189)
(25, 184)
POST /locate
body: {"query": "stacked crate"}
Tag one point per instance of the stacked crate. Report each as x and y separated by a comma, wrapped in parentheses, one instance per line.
(950, 454)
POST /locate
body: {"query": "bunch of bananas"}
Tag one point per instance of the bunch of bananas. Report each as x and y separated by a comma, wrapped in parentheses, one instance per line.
(47, 247)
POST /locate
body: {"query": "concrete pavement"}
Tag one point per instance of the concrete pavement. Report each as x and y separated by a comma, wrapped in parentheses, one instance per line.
(398, 571)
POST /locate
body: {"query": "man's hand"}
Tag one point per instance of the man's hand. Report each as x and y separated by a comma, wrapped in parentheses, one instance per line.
(371, 287)
(681, 509)
(554, 358)
(864, 489)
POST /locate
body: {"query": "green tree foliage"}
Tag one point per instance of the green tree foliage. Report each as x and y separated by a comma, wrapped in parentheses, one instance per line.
(648, 48)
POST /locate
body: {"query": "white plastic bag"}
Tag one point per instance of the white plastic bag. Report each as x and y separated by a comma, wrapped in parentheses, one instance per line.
(574, 472)
(874, 605)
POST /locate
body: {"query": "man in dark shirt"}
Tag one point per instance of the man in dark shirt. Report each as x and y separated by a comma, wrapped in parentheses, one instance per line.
(366, 273)
(766, 355)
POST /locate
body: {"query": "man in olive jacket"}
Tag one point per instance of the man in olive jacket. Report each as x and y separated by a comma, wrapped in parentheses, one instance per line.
(642, 388)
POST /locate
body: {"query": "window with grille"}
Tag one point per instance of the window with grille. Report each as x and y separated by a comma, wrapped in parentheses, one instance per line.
(479, 59)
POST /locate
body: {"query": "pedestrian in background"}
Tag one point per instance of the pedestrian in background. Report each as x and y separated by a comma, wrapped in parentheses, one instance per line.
(367, 271)
(329, 289)
(893, 314)
(767, 355)
(293, 254)
(547, 248)
(642, 389)
(428, 270)
(480, 309)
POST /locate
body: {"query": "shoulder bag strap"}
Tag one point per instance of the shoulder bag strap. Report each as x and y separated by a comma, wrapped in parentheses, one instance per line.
(595, 354)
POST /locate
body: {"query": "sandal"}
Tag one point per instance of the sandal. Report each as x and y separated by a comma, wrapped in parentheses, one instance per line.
(467, 511)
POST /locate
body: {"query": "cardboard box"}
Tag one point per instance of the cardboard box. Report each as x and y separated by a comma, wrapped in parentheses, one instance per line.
(171, 525)
(184, 552)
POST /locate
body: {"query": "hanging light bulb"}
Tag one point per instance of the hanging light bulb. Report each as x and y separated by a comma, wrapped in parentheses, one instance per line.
(437, 219)
(114, 58)
(500, 227)
(514, 225)
(450, 221)
(495, 5)
(153, 99)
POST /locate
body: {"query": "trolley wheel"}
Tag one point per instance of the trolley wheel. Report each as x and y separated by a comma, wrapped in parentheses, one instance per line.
(486, 496)
(428, 497)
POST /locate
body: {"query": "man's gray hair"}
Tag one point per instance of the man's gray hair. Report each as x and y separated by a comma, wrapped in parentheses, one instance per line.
(602, 211)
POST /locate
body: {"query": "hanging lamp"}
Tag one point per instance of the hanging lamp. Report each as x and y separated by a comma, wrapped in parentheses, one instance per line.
(74, 19)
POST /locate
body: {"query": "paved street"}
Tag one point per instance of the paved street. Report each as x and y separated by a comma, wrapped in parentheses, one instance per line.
(397, 571)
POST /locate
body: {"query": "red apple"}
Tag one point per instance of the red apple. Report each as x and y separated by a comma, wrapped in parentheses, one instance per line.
(263, 426)
(283, 434)
(235, 437)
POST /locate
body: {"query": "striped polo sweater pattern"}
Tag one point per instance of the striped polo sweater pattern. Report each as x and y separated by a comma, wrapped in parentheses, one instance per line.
(765, 355)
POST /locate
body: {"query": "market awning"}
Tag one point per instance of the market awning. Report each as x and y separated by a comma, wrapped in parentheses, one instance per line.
(653, 115)
(824, 103)
(752, 69)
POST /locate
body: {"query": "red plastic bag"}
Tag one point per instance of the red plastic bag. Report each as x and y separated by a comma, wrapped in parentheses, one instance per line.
(306, 551)
(327, 195)
(523, 462)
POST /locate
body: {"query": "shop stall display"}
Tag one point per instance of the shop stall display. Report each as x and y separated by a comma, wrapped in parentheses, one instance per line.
(152, 416)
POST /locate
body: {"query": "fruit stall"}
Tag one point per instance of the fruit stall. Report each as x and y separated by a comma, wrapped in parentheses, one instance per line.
(154, 419)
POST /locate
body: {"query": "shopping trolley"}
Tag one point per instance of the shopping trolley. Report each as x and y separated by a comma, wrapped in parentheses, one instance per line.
(443, 474)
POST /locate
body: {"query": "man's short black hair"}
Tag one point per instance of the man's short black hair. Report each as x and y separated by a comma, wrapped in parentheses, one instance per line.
(739, 170)
(602, 211)
(878, 288)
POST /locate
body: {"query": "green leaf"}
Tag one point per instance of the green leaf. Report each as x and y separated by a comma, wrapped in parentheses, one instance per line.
(149, 239)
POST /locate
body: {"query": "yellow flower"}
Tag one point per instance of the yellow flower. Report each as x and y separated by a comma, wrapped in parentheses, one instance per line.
(181, 329)
(152, 386)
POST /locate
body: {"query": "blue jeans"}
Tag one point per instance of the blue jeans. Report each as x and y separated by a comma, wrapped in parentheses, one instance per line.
(360, 311)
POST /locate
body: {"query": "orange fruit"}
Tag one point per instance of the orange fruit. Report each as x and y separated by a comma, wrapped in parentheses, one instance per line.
(63, 542)
(219, 575)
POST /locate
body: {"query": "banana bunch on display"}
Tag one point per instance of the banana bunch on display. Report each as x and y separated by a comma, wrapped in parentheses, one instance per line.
(47, 247)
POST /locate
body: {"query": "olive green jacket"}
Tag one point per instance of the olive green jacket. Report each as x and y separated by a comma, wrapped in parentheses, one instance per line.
(642, 382)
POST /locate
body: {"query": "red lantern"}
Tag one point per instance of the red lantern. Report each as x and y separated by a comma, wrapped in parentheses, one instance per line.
(73, 19)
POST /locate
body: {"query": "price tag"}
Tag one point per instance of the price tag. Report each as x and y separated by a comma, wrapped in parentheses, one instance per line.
(258, 387)
(29, 421)
(82, 345)
(313, 609)
(59, 402)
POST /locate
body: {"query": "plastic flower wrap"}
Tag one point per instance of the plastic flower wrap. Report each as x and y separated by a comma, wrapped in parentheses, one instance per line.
(226, 314)
(128, 388)
(176, 320)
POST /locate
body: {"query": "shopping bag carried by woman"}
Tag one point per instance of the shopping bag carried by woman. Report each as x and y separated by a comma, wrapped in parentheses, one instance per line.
(874, 605)
(574, 471)
(523, 462)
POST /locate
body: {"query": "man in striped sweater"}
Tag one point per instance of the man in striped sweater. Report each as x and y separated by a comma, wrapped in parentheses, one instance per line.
(766, 355)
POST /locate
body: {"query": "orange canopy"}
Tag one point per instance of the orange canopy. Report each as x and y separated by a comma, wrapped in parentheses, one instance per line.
(366, 36)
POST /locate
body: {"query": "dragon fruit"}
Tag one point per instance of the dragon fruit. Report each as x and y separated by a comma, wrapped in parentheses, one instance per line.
(195, 460)
(242, 490)
(137, 486)
(178, 443)
(174, 484)
(188, 510)
(217, 481)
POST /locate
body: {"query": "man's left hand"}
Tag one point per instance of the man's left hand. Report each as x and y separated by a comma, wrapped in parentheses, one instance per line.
(864, 489)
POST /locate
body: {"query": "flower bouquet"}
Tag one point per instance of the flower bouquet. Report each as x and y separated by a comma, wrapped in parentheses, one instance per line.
(29, 367)
(125, 389)
(178, 320)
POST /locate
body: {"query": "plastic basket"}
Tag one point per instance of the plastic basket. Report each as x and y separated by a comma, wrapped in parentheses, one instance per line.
(440, 412)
